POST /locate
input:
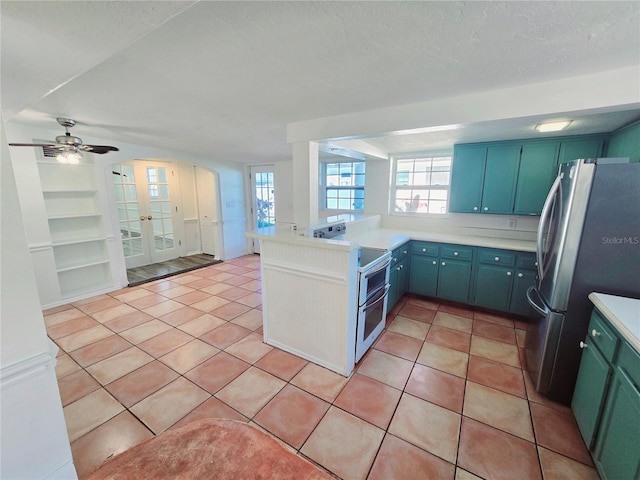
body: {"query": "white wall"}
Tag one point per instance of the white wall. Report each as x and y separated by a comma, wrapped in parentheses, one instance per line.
(34, 438)
(283, 177)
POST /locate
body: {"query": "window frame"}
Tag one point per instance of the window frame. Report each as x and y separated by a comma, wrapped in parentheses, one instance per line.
(393, 187)
(322, 191)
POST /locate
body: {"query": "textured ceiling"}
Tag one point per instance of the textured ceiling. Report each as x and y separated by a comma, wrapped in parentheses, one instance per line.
(223, 79)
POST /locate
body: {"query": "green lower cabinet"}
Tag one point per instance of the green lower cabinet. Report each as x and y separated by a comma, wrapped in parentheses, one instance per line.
(590, 390)
(522, 280)
(606, 401)
(393, 298)
(493, 287)
(454, 278)
(423, 275)
(617, 452)
(403, 278)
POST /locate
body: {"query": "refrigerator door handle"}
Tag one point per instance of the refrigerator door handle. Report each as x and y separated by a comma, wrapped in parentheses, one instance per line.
(544, 220)
(542, 310)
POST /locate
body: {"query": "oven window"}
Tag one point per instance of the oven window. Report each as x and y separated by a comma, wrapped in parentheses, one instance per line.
(373, 317)
(375, 282)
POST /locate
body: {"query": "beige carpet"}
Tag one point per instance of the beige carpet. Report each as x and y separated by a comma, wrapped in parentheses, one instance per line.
(210, 449)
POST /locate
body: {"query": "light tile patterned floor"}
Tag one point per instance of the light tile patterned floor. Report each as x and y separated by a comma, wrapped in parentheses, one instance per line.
(441, 395)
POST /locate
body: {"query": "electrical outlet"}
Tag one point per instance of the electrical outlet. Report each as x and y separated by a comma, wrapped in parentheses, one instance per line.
(512, 223)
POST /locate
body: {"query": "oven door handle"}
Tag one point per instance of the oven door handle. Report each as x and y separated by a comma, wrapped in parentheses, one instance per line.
(376, 299)
(380, 268)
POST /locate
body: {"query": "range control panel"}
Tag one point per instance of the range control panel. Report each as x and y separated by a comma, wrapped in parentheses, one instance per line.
(330, 231)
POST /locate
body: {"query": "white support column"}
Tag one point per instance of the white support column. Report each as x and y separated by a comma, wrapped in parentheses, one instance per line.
(305, 184)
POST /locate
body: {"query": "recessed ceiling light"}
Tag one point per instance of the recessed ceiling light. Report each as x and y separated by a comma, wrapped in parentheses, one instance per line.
(553, 126)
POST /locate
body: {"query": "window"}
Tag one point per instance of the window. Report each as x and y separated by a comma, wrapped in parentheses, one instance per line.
(344, 186)
(421, 185)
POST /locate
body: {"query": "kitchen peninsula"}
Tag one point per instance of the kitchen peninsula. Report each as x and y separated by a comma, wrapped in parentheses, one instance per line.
(309, 285)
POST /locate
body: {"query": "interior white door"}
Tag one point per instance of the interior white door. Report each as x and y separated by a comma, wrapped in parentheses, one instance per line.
(207, 210)
(263, 209)
(146, 211)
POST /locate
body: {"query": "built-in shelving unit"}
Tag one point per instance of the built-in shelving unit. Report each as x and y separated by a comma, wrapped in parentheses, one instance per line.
(76, 226)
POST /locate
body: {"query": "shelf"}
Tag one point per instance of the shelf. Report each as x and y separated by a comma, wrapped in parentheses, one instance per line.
(86, 279)
(83, 265)
(75, 215)
(68, 191)
(77, 241)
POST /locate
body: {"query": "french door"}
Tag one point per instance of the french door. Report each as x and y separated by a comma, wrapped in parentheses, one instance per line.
(263, 208)
(147, 211)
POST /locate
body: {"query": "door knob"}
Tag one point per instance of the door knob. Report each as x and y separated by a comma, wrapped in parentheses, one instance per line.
(520, 275)
(434, 262)
(149, 217)
(475, 209)
(508, 274)
(486, 209)
(142, 217)
(443, 264)
(583, 345)
(595, 333)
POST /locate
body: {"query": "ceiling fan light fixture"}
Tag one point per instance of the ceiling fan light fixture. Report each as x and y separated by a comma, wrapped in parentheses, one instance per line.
(69, 156)
(553, 126)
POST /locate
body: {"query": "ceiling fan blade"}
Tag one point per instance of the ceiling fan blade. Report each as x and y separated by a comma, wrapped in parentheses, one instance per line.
(99, 149)
(46, 145)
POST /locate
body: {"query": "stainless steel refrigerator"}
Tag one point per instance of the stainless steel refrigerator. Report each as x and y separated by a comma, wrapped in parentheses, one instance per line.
(588, 241)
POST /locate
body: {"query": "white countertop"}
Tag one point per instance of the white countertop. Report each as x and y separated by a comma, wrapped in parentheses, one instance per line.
(623, 313)
(391, 238)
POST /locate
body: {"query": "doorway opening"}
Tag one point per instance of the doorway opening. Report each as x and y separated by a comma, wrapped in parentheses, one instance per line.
(167, 216)
(263, 209)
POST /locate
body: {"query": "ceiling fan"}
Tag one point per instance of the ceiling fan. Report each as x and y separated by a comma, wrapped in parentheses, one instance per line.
(70, 147)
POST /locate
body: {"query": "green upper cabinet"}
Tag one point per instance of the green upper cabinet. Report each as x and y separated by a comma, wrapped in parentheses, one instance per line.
(625, 142)
(514, 177)
(483, 179)
(467, 178)
(538, 168)
(581, 148)
(500, 176)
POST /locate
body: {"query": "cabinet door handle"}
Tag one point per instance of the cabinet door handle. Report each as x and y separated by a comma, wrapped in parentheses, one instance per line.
(455, 254)
(404, 253)
(497, 259)
(508, 274)
(520, 275)
(398, 268)
(424, 249)
(486, 209)
(475, 209)
(443, 264)
(142, 217)
(149, 217)
(595, 333)
(583, 345)
(434, 262)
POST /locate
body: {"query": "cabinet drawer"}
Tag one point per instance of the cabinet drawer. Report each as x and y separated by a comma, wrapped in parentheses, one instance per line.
(527, 260)
(601, 335)
(497, 257)
(629, 363)
(425, 248)
(401, 252)
(456, 252)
